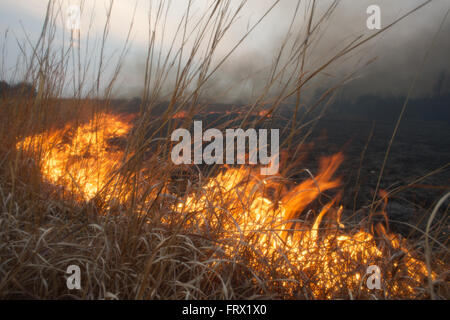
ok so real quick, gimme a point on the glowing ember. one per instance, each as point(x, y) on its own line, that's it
point(180, 115)
point(264, 113)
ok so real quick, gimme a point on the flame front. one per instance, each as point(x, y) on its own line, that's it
point(81, 158)
point(326, 258)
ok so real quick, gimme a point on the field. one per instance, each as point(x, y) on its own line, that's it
point(86, 179)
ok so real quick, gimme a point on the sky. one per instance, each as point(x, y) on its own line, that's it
point(396, 55)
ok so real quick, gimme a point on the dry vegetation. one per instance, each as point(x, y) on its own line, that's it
point(142, 228)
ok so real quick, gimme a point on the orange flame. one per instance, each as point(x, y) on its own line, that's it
point(237, 201)
point(81, 158)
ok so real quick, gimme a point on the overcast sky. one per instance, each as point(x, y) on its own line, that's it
point(399, 51)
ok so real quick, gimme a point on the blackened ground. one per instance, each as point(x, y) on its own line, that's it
point(419, 148)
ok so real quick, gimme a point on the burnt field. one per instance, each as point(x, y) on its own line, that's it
point(416, 174)
point(419, 148)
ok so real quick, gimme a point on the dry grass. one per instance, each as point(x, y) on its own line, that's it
point(128, 239)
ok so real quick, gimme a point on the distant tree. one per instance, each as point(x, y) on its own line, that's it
point(4, 88)
point(24, 89)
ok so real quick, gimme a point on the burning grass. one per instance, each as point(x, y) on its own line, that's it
point(103, 195)
point(81, 158)
point(231, 225)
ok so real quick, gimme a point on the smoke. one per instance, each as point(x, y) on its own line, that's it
point(394, 56)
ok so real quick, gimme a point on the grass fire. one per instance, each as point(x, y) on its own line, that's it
point(87, 177)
